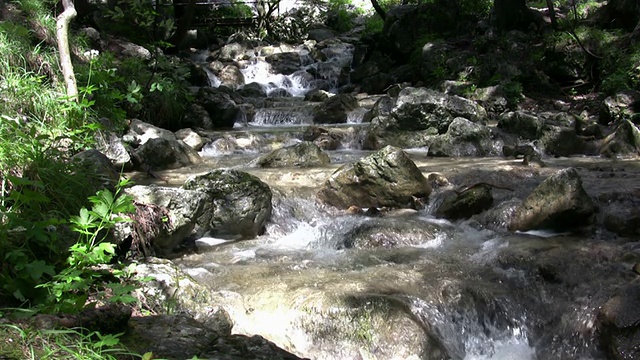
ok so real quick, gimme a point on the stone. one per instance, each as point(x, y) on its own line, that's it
point(335, 109)
point(390, 233)
point(625, 140)
point(144, 132)
point(284, 63)
point(183, 206)
point(463, 138)
point(386, 178)
point(162, 154)
point(303, 154)
point(101, 171)
point(624, 105)
point(558, 203)
point(220, 107)
point(190, 138)
point(523, 124)
point(231, 77)
point(619, 323)
point(464, 204)
point(239, 206)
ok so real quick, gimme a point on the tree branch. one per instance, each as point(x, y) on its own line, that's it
point(62, 37)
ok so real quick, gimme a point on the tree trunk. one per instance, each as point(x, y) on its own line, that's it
point(62, 37)
point(511, 14)
point(379, 10)
point(552, 14)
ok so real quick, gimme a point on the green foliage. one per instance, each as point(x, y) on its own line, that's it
point(22, 342)
point(513, 93)
point(341, 14)
point(69, 289)
point(139, 21)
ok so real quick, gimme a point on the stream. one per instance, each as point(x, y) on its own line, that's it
point(441, 290)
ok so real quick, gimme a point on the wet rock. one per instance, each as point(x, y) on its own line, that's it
point(222, 110)
point(320, 33)
point(110, 144)
point(464, 204)
point(183, 207)
point(562, 141)
point(166, 288)
point(284, 63)
point(197, 117)
point(624, 105)
point(162, 154)
point(382, 107)
point(386, 178)
point(621, 212)
point(304, 154)
point(422, 108)
point(324, 138)
point(317, 95)
point(624, 141)
point(231, 52)
point(499, 216)
point(240, 204)
point(335, 109)
point(559, 202)
point(190, 138)
point(252, 90)
point(391, 233)
point(619, 323)
point(231, 76)
point(523, 124)
point(144, 132)
point(241, 347)
point(463, 138)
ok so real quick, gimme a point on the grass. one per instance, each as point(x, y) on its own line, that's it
point(20, 341)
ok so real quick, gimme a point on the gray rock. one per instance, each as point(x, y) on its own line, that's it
point(129, 49)
point(162, 154)
point(304, 154)
point(390, 233)
point(222, 110)
point(144, 132)
point(462, 205)
point(183, 206)
point(284, 63)
point(619, 323)
point(463, 138)
point(231, 77)
point(562, 141)
point(320, 33)
point(240, 204)
point(386, 178)
point(624, 105)
point(110, 144)
point(190, 138)
point(421, 109)
point(559, 202)
point(625, 140)
point(335, 109)
point(525, 125)
point(231, 52)
point(324, 138)
point(198, 117)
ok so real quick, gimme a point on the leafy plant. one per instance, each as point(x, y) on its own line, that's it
point(70, 288)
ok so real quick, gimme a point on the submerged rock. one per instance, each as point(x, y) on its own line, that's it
point(240, 203)
point(386, 178)
point(464, 204)
point(619, 323)
point(559, 203)
point(162, 154)
point(304, 154)
point(391, 233)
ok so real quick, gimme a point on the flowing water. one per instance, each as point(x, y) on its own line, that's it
point(437, 289)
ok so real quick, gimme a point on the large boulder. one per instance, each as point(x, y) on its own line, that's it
point(162, 154)
point(391, 233)
point(335, 109)
point(521, 123)
point(231, 77)
point(625, 140)
point(110, 144)
point(99, 169)
point(464, 204)
point(222, 110)
point(463, 138)
point(303, 154)
point(422, 108)
point(183, 208)
point(144, 132)
point(624, 105)
point(559, 202)
point(386, 178)
point(190, 138)
point(284, 63)
point(240, 204)
point(619, 323)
